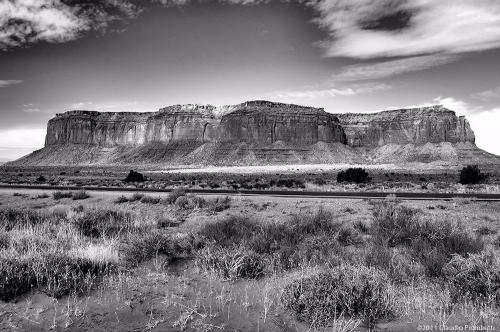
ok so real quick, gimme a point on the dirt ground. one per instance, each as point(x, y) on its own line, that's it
point(175, 297)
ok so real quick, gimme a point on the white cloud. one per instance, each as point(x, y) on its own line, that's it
point(450, 26)
point(308, 94)
point(15, 143)
point(4, 83)
point(391, 68)
point(488, 94)
point(24, 22)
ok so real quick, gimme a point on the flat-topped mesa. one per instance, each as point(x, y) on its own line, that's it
point(255, 122)
point(434, 124)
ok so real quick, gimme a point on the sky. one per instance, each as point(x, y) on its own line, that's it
point(343, 55)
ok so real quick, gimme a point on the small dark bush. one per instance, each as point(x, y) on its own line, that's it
point(57, 195)
point(16, 278)
point(353, 291)
point(150, 200)
point(80, 195)
point(41, 178)
point(144, 246)
point(230, 231)
point(58, 275)
point(471, 175)
point(230, 263)
point(44, 195)
point(218, 204)
point(174, 194)
point(353, 175)
point(97, 223)
point(134, 176)
point(348, 235)
point(121, 199)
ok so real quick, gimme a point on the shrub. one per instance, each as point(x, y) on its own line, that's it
point(475, 277)
point(121, 199)
point(348, 235)
point(136, 197)
point(432, 242)
point(353, 175)
point(97, 223)
point(143, 246)
point(353, 291)
point(174, 194)
point(230, 263)
point(134, 176)
point(80, 195)
point(53, 273)
point(13, 217)
point(41, 179)
point(218, 204)
point(44, 195)
point(57, 195)
point(16, 277)
point(59, 275)
point(395, 224)
point(471, 175)
point(182, 203)
point(150, 200)
point(228, 231)
point(396, 262)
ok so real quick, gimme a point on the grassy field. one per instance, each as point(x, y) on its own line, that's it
point(175, 262)
point(392, 180)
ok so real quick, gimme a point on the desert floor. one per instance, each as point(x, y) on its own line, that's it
point(162, 294)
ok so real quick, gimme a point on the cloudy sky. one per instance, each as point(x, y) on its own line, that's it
point(343, 55)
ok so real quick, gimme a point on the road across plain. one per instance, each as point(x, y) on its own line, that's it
point(277, 193)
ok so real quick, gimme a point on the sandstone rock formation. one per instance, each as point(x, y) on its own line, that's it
point(256, 132)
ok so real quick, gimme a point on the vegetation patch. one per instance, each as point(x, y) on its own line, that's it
point(353, 175)
point(353, 291)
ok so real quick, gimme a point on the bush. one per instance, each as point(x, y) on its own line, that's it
point(353, 175)
point(134, 176)
point(136, 197)
point(353, 291)
point(144, 246)
point(174, 194)
point(121, 199)
point(471, 175)
point(475, 277)
point(228, 231)
point(41, 179)
point(396, 262)
point(218, 204)
point(182, 203)
point(53, 273)
point(97, 223)
point(57, 195)
point(16, 277)
point(58, 275)
point(230, 263)
point(348, 235)
point(150, 200)
point(432, 242)
point(80, 195)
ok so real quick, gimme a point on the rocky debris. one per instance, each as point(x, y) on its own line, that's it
point(257, 133)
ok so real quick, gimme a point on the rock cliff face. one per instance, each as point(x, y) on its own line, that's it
point(257, 132)
point(256, 122)
point(434, 124)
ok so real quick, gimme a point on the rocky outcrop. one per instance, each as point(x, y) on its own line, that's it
point(256, 122)
point(257, 133)
point(434, 124)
